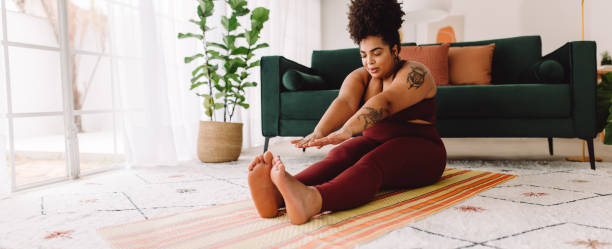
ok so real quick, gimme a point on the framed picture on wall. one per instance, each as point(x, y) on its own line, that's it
point(449, 29)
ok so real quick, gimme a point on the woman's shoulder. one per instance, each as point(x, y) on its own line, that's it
point(416, 70)
point(361, 74)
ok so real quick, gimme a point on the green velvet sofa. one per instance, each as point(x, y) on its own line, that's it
point(518, 103)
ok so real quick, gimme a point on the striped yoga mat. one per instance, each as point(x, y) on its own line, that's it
point(237, 225)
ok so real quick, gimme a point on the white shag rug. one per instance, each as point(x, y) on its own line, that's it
point(551, 204)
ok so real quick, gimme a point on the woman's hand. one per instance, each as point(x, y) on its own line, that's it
point(334, 138)
point(304, 142)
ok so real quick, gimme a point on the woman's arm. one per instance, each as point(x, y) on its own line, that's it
point(342, 108)
point(411, 85)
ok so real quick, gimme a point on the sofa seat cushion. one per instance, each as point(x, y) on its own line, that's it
point(306, 105)
point(504, 101)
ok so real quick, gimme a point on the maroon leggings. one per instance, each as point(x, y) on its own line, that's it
point(389, 155)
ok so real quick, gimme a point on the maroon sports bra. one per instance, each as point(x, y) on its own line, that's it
point(424, 110)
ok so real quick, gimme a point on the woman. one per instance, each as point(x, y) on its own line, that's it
point(390, 101)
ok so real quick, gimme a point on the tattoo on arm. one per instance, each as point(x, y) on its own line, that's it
point(416, 77)
point(372, 117)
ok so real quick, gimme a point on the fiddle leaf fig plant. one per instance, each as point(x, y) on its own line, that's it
point(223, 67)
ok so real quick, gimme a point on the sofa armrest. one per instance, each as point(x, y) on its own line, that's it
point(579, 61)
point(271, 72)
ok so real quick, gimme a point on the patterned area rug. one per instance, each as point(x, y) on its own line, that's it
point(552, 204)
point(237, 225)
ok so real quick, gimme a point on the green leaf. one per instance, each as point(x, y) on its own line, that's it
point(208, 102)
point(195, 71)
point(225, 22)
point(195, 78)
point(244, 105)
point(195, 21)
point(236, 4)
point(250, 56)
point(262, 45)
point(190, 35)
point(191, 58)
point(238, 7)
point(233, 76)
point(234, 23)
point(229, 41)
point(232, 65)
point(258, 17)
point(240, 50)
point(252, 37)
point(203, 95)
point(215, 55)
point(194, 85)
point(249, 84)
point(244, 75)
point(219, 45)
point(254, 64)
point(208, 112)
point(216, 78)
point(219, 106)
point(205, 8)
point(219, 95)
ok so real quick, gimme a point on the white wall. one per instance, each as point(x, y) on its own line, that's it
point(556, 21)
point(334, 20)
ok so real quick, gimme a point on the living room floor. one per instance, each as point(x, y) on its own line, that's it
point(553, 203)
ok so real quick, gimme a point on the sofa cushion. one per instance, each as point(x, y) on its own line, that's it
point(504, 101)
point(308, 105)
point(294, 80)
point(470, 65)
point(511, 57)
point(545, 71)
point(435, 58)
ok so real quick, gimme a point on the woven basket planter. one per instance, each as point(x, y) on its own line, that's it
point(219, 141)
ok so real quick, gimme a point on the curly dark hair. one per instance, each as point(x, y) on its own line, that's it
point(375, 18)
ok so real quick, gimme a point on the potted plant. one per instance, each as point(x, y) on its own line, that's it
point(222, 71)
point(604, 107)
point(606, 60)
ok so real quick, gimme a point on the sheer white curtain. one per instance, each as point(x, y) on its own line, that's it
point(160, 118)
point(160, 121)
point(293, 31)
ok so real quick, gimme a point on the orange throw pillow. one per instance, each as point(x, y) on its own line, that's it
point(434, 57)
point(470, 65)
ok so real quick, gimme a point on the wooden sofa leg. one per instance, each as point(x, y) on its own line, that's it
point(550, 146)
point(591, 153)
point(266, 144)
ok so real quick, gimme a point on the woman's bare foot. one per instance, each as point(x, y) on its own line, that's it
point(302, 202)
point(265, 195)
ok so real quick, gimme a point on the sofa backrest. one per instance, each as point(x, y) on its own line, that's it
point(334, 65)
point(512, 57)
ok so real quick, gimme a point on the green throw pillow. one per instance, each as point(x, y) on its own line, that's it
point(546, 71)
point(295, 80)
